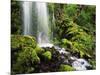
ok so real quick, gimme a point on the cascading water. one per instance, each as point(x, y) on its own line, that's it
point(27, 17)
point(43, 28)
point(43, 25)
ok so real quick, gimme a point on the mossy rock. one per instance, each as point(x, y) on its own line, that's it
point(28, 54)
point(19, 41)
point(24, 53)
point(25, 61)
point(65, 68)
point(35, 58)
point(39, 50)
point(47, 55)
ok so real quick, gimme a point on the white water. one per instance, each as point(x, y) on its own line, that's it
point(80, 64)
point(27, 17)
point(43, 25)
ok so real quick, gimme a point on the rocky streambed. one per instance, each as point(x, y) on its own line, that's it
point(66, 58)
point(28, 57)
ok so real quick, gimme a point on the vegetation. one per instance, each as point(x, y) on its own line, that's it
point(66, 68)
point(16, 20)
point(47, 55)
point(77, 37)
point(73, 28)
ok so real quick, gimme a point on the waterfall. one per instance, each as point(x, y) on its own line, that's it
point(41, 17)
point(27, 17)
point(43, 24)
point(41, 27)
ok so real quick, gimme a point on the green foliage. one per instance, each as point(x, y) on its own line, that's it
point(75, 38)
point(70, 10)
point(25, 61)
point(65, 68)
point(83, 15)
point(39, 50)
point(66, 43)
point(93, 63)
point(79, 40)
point(47, 55)
point(35, 58)
point(20, 41)
point(87, 18)
point(24, 53)
point(16, 20)
point(73, 35)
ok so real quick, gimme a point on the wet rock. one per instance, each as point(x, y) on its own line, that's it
point(80, 64)
point(66, 61)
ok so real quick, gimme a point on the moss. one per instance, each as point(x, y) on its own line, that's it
point(25, 55)
point(66, 68)
point(18, 41)
point(26, 60)
point(47, 55)
point(39, 50)
point(93, 63)
point(35, 58)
